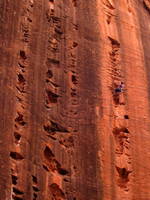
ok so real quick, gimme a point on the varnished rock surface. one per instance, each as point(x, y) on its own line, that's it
point(64, 135)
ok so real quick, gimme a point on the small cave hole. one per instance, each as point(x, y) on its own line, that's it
point(34, 196)
point(63, 171)
point(14, 179)
point(66, 180)
point(48, 153)
point(17, 191)
point(34, 179)
point(74, 3)
point(58, 30)
point(123, 173)
point(21, 65)
point(46, 168)
point(17, 136)
point(17, 198)
point(23, 54)
point(73, 94)
point(125, 130)
point(117, 131)
point(20, 120)
point(114, 42)
point(35, 189)
point(146, 5)
point(52, 1)
point(75, 44)
point(108, 19)
point(21, 79)
point(52, 61)
point(29, 19)
point(52, 97)
point(126, 116)
point(49, 74)
point(47, 128)
point(55, 127)
point(16, 156)
point(74, 79)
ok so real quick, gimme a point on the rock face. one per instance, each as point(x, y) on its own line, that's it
point(65, 133)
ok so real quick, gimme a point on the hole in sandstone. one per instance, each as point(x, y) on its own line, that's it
point(58, 31)
point(75, 44)
point(17, 136)
point(48, 153)
point(34, 196)
point(66, 180)
point(14, 179)
point(62, 171)
point(123, 173)
point(20, 65)
point(29, 19)
point(52, 1)
point(119, 130)
point(49, 74)
point(17, 198)
point(114, 42)
point(20, 120)
point(55, 127)
point(56, 192)
point(125, 130)
point(147, 5)
point(21, 79)
point(16, 156)
point(53, 164)
point(52, 97)
point(108, 19)
point(74, 3)
point(74, 79)
point(126, 116)
point(53, 61)
point(23, 54)
point(34, 179)
point(46, 168)
point(17, 191)
point(73, 94)
point(35, 189)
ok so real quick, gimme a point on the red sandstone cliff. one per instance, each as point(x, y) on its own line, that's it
point(64, 134)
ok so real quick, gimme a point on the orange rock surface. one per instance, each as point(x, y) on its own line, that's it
point(65, 133)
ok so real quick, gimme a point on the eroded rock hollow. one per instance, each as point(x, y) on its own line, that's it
point(66, 133)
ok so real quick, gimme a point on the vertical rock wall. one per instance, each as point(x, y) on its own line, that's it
point(65, 134)
point(49, 85)
point(124, 127)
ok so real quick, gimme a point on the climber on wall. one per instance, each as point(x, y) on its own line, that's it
point(119, 89)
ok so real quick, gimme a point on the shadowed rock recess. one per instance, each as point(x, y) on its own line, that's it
point(65, 133)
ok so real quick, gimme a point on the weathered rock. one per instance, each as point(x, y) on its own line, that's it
point(65, 133)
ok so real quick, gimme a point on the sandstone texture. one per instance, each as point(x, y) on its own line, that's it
point(65, 134)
